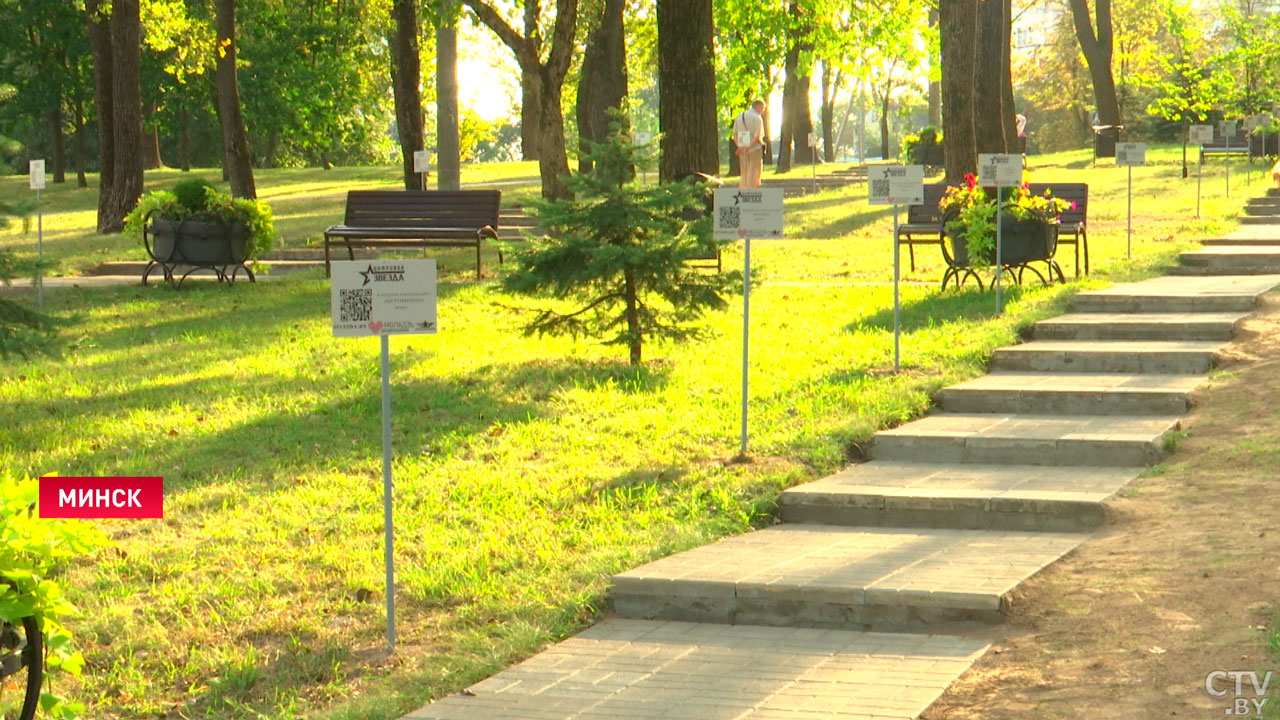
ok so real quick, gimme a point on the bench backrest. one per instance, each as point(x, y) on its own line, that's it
point(423, 208)
point(1071, 192)
point(928, 213)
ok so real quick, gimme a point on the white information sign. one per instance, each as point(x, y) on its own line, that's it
point(1131, 153)
point(1251, 123)
point(383, 297)
point(421, 161)
point(37, 174)
point(813, 140)
point(1228, 128)
point(1201, 134)
point(754, 213)
point(895, 184)
point(999, 169)
point(644, 138)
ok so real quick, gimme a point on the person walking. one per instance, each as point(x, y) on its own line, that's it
point(748, 134)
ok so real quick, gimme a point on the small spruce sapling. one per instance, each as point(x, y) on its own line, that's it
point(619, 255)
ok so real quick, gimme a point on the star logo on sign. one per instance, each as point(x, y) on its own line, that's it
point(365, 274)
point(736, 197)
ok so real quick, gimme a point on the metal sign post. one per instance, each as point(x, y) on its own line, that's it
point(747, 213)
point(36, 168)
point(813, 158)
point(1199, 135)
point(896, 185)
point(1130, 154)
point(1001, 170)
point(384, 298)
point(422, 165)
point(1228, 128)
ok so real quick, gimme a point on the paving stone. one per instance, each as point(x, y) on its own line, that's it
point(1139, 326)
point(1071, 394)
point(1109, 356)
point(690, 671)
point(832, 576)
point(899, 494)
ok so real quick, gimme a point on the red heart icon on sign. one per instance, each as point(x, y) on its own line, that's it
point(375, 327)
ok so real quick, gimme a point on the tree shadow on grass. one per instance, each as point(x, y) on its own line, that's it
point(967, 304)
point(555, 374)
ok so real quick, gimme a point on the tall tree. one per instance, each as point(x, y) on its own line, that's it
point(958, 31)
point(989, 127)
point(448, 149)
point(603, 84)
point(116, 39)
point(542, 81)
point(406, 85)
point(687, 89)
point(235, 140)
point(1097, 49)
point(797, 120)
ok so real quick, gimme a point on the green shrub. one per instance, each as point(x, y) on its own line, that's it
point(192, 193)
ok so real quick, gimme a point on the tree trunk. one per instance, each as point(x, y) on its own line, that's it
point(235, 141)
point(82, 157)
point(151, 146)
point(406, 81)
point(830, 88)
point(59, 142)
point(273, 149)
point(935, 87)
point(1006, 81)
point(448, 146)
point(957, 28)
point(553, 164)
point(184, 139)
point(787, 131)
point(103, 60)
point(1097, 51)
point(687, 89)
point(603, 83)
point(988, 127)
point(802, 122)
point(126, 94)
point(530, 113)
point(884, 116)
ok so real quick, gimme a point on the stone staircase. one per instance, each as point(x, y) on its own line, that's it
point(925, 541)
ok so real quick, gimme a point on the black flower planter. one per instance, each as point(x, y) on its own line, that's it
point(197, 243)
point(1022, 243)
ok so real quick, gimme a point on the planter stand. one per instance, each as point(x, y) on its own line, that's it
point(1025, 242)
point(196, 244)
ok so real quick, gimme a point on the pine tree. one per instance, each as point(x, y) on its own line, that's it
point(620, 254)
point(23, 331)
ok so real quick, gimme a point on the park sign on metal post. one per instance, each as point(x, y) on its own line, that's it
point(1227, 128)
point(384, 298)
point(36, 169)
point(1201, 134)
point(422, 165)
point(896, 185)
point(1001, 170)
point(746, 214)
point(1130, 154)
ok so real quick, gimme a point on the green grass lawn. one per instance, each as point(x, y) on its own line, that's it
point(527, 470)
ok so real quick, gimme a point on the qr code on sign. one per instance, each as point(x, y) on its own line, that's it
point(729, 217)
point(356, 305)
point(880, 188)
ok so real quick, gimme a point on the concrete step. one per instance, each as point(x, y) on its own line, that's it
point(1178, 295)
point(1068, 441)
point(640, 669)
point(1259, 219)
point(1115, 356)
point(1009, 497)
point(1261, 210)
point(1273, 192)
point(1071, 394)
point(1248, 259)
point(1138, 326)
point(1270, 233)
point(840, 577)
point(1263, 202)
point(1197, 271)
point(1250, 239)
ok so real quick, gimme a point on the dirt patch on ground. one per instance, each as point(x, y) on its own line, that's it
point(1183, 581)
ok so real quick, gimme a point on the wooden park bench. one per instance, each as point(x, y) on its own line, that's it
point(1073, 227)
point(416, 218)
point(1224, 146)
point(924, 222)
